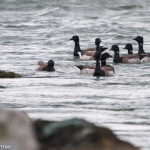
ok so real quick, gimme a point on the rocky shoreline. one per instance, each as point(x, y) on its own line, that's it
point(20, 132)
point(5, 74)
point(1, 87)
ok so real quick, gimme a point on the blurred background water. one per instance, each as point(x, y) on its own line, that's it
point(33, 30)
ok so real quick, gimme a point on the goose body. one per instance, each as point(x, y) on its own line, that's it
point(41, 65)
point(87, 69)
point(49, 66)
point(141, 51)
point(109, 71)
point(146, 59)
point(88, 51)
point(124, 59)
point(131, 60)
point(86, 54)
point(85, 57)
point(130, 54)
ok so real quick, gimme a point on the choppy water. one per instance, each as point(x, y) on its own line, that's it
point(33, 30)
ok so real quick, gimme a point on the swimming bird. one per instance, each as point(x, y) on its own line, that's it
point(97, 56)
point(118, 59)
point(109, 70)
point(140, 41)
point(141, 51)
point(77, 48)
point(130, 54)
point(49, 66)
point(41, 65)
point(87, 69)
point(129, 47)
point(86, 54)
point(90, 57)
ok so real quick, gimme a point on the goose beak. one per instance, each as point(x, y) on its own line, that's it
point(71, 39)
point(134, 39)
point(103, 48)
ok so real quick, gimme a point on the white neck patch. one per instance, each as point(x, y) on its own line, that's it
point(141, 44)
point(131, 51)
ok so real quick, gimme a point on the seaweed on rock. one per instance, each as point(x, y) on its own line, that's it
point(4, 74)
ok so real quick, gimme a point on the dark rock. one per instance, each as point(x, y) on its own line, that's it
point(78, 134)
point(19, 132)
point(4, 74)
point(2, 87)
point(39, 125)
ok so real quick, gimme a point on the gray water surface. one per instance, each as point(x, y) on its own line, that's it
point(33, 30)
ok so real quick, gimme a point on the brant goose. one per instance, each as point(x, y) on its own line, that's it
point(97, 56)
point(87, 57)
point(129, 47)
point(141, 51)
point(130, 54)
point(41, 65)
point(109, 70)
point(123, 59)
point(86, 54)
point(49, 66)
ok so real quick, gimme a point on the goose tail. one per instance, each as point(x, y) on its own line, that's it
point(77, 68)
point(80, 55)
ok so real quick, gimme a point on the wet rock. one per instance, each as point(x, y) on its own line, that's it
point(2, 87)
point(4, 74)
point(77, 134)
point(19, 132)
point(16, 131)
